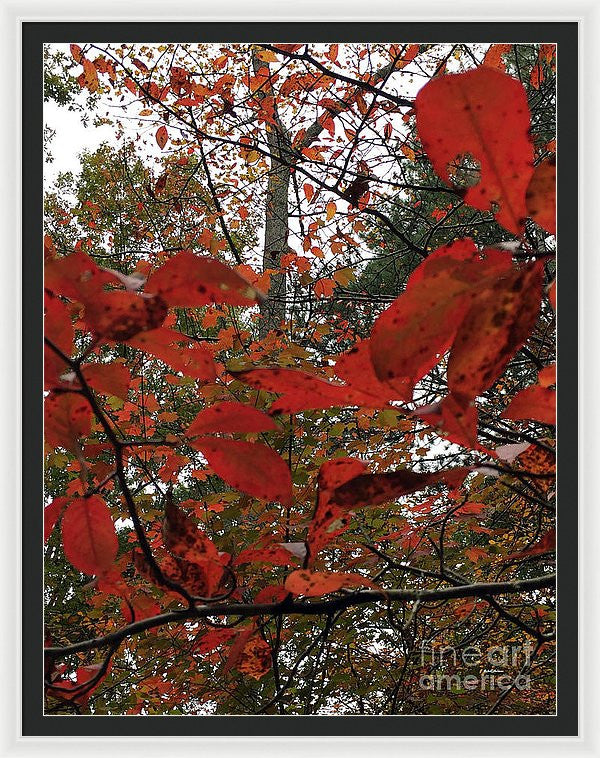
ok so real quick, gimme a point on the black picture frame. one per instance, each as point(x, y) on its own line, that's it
point(34, 722)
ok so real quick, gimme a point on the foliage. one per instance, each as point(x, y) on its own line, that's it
point(282, 476)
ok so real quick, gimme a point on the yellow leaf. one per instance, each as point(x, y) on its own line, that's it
point(268, 56)
point(344, 276)
point(331, 209)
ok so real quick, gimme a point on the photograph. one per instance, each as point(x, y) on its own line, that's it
point(299, 379)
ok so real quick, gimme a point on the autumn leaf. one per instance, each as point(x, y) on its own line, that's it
point(330, 520)
point(108, 378)
point(482, 113)
point(317, 583)
point(89, 536)
point(371, 489)
point(195, 361)
point(139, 606)
point(536, 403)
point(52, 513)
point(58, 328)
point(230, 417)
point(541, 195)
point(250, 467)
point(409, 338)
point(119, 316)
point(302, 391)
point(162, 137)
point(324, 287)
point(189, 281)
point(67, 418)
point(495, 327)
point(547, 376)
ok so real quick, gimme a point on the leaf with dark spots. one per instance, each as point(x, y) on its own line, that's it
point(317, 583)
point(409, 338)
point(495, 328)
point(188, 281)
point(67, 419)
point(119, 315)
point(301, 391)
point(482, 113)
point(372, 489)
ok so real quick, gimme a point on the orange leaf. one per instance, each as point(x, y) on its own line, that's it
point(162, 137)
point(309, 191)
point(317, 583)
point(536, 403)
point(324, 287)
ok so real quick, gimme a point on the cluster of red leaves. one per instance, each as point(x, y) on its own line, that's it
point(477, 307)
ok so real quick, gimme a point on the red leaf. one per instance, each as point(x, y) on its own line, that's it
point(536, 403)
point(496, 326)
point(59, 330)
point(76, 276)
point(213, 639)
point(188, 281)
point(482, 113)
point(276, 555)
point(119, 315)
point(372, 489)
point(493, 57)
point(541, 195)
point(67, 417)
point(185, 540)
point(303, 391)
point(195, 361)
point(144, 606)
point(162, 137)
point(317, 583)
point(52, 514)
point(455, 419)
point(230, 417)
point(547, 376)
point(250, 467)
point(409, 338)
point(89, 536)
point(329, 520)
point(356, 369)
point(108, 378)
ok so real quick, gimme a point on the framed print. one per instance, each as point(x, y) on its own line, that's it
point(298, 287)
